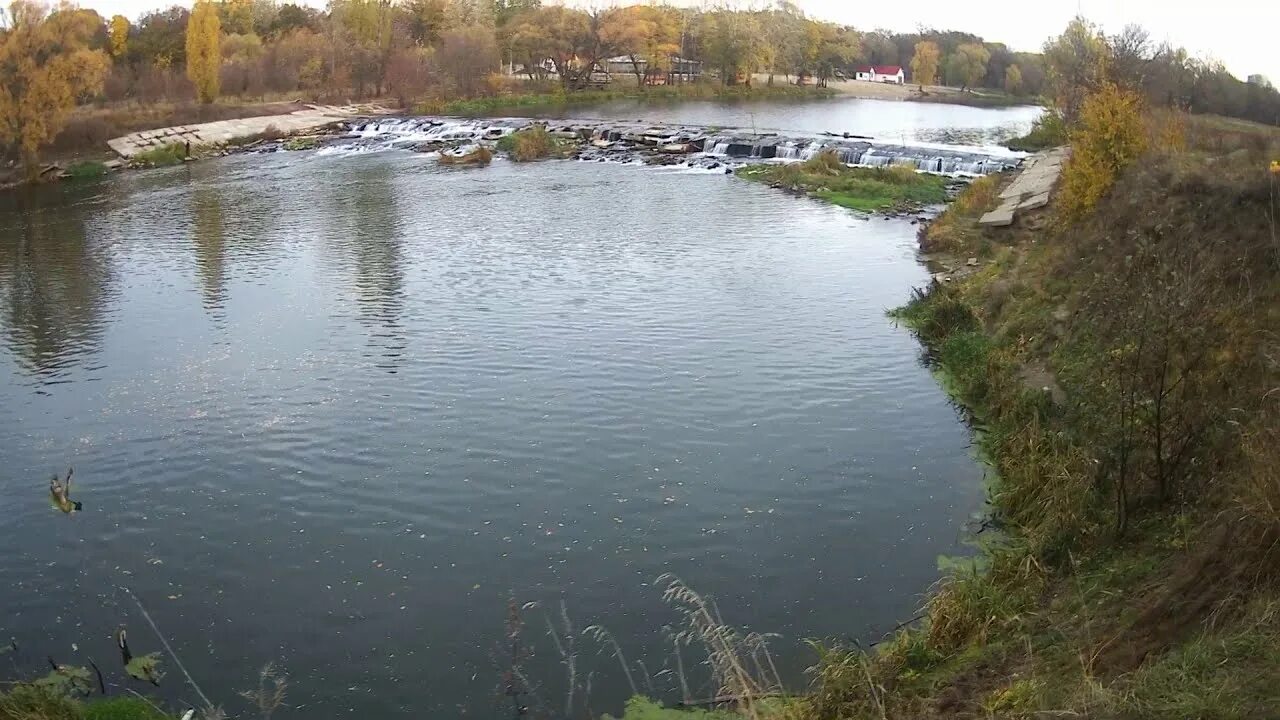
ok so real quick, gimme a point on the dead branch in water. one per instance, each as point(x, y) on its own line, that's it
point(176, 660)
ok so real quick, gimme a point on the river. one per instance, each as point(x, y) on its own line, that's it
point(335, 411)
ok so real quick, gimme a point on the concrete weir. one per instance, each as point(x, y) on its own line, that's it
point(224, 131)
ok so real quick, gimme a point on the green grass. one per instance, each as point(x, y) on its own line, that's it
point(662, 93)
point(87, 169)
point(171, 154)
point(863, 189)
point(1048, 131)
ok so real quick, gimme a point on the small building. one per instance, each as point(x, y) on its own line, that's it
point(622, 65)
point(880, 73)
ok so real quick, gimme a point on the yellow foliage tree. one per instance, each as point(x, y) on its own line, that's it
point(1013, 80)
point(204, 55)
point(924, 64)
point(1109, 134)
point(119, 35)
point(45, 65)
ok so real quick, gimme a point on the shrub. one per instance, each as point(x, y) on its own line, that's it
point(1111, 134)
point(87, 169)
point(1048, 131)
point(533, 143)
point(171, 154)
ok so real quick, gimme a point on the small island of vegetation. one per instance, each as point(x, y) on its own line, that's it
point(826, 177)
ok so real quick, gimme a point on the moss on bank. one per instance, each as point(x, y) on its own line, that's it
point(856, 188)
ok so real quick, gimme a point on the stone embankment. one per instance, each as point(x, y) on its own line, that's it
point(1032, 188)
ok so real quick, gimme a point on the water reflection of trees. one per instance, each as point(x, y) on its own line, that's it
point(54, 279)
point(210, 240)
point(367, 225)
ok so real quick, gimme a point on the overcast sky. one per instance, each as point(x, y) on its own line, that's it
point(1244, 34)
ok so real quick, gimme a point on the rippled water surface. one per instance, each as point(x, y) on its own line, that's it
point(335, 411)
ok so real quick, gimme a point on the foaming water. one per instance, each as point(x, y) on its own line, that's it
point(336, 411)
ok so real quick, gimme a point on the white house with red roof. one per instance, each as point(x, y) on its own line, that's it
point(880, 73)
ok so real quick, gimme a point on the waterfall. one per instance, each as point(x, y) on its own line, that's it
point(634, 140)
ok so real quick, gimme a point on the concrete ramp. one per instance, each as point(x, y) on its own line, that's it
point(1032, 188)
point(224, 131)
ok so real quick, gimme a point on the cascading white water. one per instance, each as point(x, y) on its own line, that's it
point(406, 133)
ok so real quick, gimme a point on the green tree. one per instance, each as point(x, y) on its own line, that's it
point(1012, 80)
point(924, 64)
point(204, 58)
point(970, 64)
point(46, 63)
point(1075, 66)
point(160, 39)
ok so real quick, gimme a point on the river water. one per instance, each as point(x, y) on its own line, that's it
point(336, 411)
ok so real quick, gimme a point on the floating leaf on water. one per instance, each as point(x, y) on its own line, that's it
point(145, 668)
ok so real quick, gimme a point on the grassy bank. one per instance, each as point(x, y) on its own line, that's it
point(865, 189)
point(663, 93)
point(1122, 369)
point(1046, 132)
point(43, 701)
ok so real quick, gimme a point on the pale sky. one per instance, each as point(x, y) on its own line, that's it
point(1243, 34)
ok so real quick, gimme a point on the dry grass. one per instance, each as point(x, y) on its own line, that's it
point(742, 669)
point(269, 695)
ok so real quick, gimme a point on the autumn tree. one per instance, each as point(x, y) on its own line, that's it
point(924, 64)
point(565, 36)
point(1108, 135)
point(648, 35)
point(1012, 80)
point(466, 57)
point(45, 65)
point(367, 26)
point(119, 34)
point(423, 21)
point(204, 56)
point(733, 42)
point(1075, 66)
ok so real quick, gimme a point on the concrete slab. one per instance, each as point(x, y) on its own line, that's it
point(1034, 202)
point(1000, 217)
point(224, 131)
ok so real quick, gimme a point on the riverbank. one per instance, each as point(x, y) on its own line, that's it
point(930, 93)
point(508, 104)
point(1132, 424)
